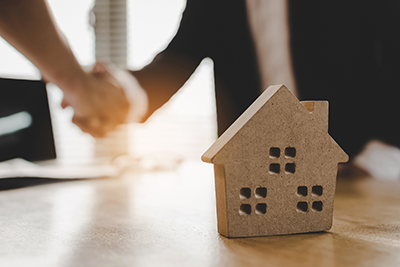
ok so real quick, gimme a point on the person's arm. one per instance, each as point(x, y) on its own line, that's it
point(171, 68)
point(98, 101)
point(29, 27)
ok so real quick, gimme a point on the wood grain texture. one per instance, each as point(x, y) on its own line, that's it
point(280, 167)
point(169, 219)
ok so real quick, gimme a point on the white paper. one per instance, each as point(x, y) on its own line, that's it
point(18, 167)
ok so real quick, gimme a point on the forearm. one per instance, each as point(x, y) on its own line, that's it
point(29, 27)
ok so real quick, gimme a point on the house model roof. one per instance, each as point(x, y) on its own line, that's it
point(319, 120)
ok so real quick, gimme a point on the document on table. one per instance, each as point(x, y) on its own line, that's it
point(16, 168)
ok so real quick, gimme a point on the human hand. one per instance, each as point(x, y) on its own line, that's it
point(99, 102)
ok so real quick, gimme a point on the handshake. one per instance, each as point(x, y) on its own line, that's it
point(103, 98)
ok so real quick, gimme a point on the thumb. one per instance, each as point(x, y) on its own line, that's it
point(99, 68)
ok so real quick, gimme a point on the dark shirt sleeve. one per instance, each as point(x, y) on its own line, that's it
point(171, 68)
point(217, 29)
point(354, 62)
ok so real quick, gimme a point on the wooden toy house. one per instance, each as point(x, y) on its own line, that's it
point(275, 168)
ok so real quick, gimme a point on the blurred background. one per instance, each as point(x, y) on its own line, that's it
point(182, 129)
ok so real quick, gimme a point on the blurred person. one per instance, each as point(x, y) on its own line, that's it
point(99, 101)
point(346, 52)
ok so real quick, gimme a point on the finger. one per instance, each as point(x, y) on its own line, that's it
point(64, 103)
point(81, 123)
point(108, 127)
point(103, 71)
point(107, 124)
point(89, 126)
point(95, 126)
point(99, 68)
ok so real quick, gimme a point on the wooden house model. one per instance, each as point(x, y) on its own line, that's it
point(275, 168)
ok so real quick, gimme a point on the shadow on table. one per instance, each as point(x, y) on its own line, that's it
point(15, 183)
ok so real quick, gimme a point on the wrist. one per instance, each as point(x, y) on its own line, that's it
point(70, 81)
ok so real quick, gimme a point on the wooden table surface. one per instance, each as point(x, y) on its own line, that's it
point(168, 218)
